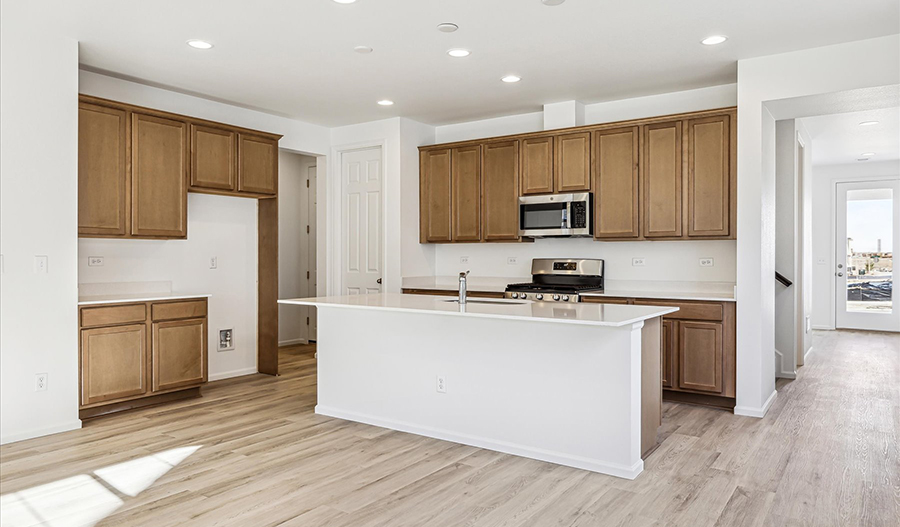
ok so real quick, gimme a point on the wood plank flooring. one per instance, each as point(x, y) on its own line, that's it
point(251, 452)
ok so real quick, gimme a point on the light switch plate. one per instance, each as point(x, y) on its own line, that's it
point(95, 261)
point(40, 264)
point(707, 262)
point(214, 262)
point(638, 262)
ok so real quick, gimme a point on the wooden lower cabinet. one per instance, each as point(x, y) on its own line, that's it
point(138, 354)
point(668, 351)
point(700, 353)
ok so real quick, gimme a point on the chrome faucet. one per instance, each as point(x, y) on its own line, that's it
point(462, 287)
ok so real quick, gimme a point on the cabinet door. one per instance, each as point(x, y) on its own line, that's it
point(465, 167)
point(500, 191)
point(661, 180)
point(573, 162)
point(669, 348)
point(616, 196)
point(159, 150)
point(213, 158)
point(537, 165)
point(179, 354)
point(257, 164)
point(709, 176)
point(434, 195)
point(113, 363)
point(102, 170)
point(700, 352)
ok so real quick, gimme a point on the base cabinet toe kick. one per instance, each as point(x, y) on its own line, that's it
point(585, 396)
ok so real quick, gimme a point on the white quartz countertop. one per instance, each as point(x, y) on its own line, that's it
point(135, 297)
point(661, 290)
point(610, 315)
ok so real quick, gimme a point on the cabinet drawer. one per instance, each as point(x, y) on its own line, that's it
point(176, 310)
point(604, 300)
point(113, 315)
point(688, 311)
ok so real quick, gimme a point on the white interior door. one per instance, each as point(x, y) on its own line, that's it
point(867, 229)
point(311, 247)
point(362, 237)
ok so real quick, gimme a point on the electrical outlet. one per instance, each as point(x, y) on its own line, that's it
point(638, 262)
point(441, 384)
point(95, 261)
point(213, 262)
point(40, 382)
point(707, 262)
point(463, 259)
point(512, 260)
point(40, 264)
point(226, 339)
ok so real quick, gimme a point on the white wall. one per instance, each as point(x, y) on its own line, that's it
point(823, 249)
point(675, 261)
point(415, 259)
point(38, 216)
point(874, 62)
point(220, 226)
point(293, 245)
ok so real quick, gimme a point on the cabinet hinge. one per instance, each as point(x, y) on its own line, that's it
point(307, 275)
point(307, 229)
point(307, 321)
point(307, 183)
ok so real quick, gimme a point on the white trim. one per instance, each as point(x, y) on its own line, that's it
point(40, 432)
point(807, 354)
point(336, 213)
point(490, 444)
point(823, 328)
point(293, 342)
point(748, 411)
point(779, 367)
point(233, 373)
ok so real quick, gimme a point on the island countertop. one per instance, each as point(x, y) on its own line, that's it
point(609, 315)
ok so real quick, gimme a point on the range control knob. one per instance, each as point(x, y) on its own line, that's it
point(539, 296)
point(515, 295)
point(555, 297)
point(565, 298)
point(523, 295)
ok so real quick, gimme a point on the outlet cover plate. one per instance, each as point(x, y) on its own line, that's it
point(95, 261)
point(638, 262)
point(707, 262)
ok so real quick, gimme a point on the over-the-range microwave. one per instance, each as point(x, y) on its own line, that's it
point(556, 215)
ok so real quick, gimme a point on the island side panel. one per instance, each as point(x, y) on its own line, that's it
point(651, 384)
point(564, 393)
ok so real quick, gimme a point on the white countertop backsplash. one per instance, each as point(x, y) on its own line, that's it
point(118, 292)
point(659, 289)
point(610, 315)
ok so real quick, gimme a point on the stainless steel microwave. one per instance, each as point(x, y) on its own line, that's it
point(556, 215)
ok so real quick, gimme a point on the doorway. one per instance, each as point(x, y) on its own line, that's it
point(362, 215)
point(867, 217)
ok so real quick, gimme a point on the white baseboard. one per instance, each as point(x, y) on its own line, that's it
point(232, 373)
point(786, 375)
point(823, 328)
point(748, 411)
point(779, 372)
point(593, 465)
point(40, 432)
point(292, 342)
point(807, 354)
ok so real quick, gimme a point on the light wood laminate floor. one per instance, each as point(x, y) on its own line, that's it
point(251, 452)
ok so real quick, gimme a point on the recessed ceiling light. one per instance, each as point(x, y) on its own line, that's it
point(867, 154)
point(363, 49)
point(511, 78)
point(386, 102)
point(345, 1)
point(447, 27)
point(713, 40)
point(199, 44)
point(552, 2)
point(868, 123)
point(457, 52)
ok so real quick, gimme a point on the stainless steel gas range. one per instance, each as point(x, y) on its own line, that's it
point(559, 280)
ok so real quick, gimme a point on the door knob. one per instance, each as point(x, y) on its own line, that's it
point(840, 273)
point(840, 266)
point(378, 281)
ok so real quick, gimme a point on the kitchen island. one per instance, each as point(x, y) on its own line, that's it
point(573, 384)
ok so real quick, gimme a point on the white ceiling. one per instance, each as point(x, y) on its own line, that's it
point(839, 139)
point(296, 58)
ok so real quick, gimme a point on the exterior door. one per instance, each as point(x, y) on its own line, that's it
point(362, 237)
point(867, 217)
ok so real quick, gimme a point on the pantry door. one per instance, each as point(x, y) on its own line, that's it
point(362, 252)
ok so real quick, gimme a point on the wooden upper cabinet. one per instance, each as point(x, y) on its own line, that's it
point(700, 354)
point(572, 153)
point(709, 176)
point(537, 165)
point(500, 191)
point(159, 164)
point(465, 165)
point(257, 164)
point(616, 188)
point(434, 195)
point(113, 363)
point(103, 201)
point(179, 354)
point(661, 180)
point(213, 158)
